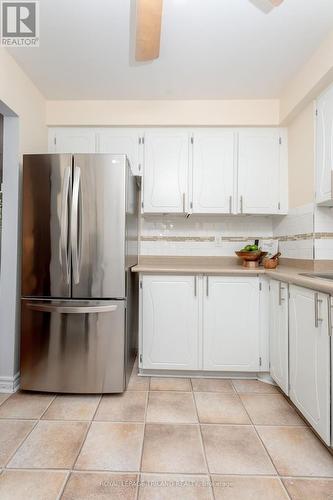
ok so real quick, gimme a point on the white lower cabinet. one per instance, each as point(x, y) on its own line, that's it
point(330, 316)
point(212, 323)
point(310, 357)
point(194, 323)
point(279, 334)
point(231, 324)
point(169, 322)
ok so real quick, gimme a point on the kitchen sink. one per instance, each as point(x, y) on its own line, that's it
point(324, 276)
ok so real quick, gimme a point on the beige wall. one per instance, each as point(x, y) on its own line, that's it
point(20, 94)
point(24, 131)
point(154, 113)
point(301, 144)
point(297, 110)
point(308, 82)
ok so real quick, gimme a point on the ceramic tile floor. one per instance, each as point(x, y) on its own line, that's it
point(164, 438)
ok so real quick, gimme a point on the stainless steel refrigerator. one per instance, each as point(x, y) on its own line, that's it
point(79, 297)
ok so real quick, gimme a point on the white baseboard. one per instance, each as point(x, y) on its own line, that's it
point(9, 385)
point(262, 376)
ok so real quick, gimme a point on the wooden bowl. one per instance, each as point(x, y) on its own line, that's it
point(271, 263)
point(254, 255)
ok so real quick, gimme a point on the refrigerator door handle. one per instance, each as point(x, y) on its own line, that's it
point(71, 309)
point(75, 244)
point(64, 259)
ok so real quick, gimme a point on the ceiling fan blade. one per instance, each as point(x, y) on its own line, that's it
point(148, 29)
point(266, 5)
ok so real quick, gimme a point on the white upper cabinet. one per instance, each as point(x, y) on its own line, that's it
point(213, 171)
point(279, 334)
point(166, 171)
point(170, 322)
point(199, 171)
point(231, 324)
point(324, 149)
point(310, 357)
point(259, 158)
point(72, 140)
point(123, 141)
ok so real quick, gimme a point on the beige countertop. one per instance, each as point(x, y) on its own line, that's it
point(293, 275)
point(230, 267)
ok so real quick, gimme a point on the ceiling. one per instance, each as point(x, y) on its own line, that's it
point(210, 49)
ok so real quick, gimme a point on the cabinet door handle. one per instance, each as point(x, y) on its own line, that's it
point(241, 204)
point(207, 286)
point(195, 286)
point(317, 301)
point(281, 299)
point(230, 204)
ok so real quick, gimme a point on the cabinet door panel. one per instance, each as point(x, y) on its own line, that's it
point(213, 172)
point(166, 169)
point(231, 324)
point(122, 141)
point(74, 140)
point(324, 149)
point(279, 356)
point(170, 323)
point(310, 359)
point(259, 171)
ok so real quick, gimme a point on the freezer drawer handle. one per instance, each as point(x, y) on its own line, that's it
point(71, 309)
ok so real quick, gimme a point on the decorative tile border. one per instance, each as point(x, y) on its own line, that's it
point(235, 239)
point(323, 236)
point(178, 238)
point(203, 238)
point(295, 237)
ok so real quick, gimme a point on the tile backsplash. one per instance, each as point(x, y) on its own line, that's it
point(323, 241)
point(201, 235)
point(305, 233)
point(295, 232)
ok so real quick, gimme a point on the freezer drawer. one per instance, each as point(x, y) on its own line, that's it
point(73, 346)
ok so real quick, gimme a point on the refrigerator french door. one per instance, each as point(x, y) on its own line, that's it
point(78, 213)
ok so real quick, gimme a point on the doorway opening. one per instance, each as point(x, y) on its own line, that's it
point(1, 175)
point(9, 250)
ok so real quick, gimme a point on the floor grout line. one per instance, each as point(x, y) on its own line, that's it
point(203, 444)
point(19, 446)
point(48, 406)
point(80, 448)
point(6, 398)
point(163, 473)
point(143, 442)
point(62, 489)
point(264, 446)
